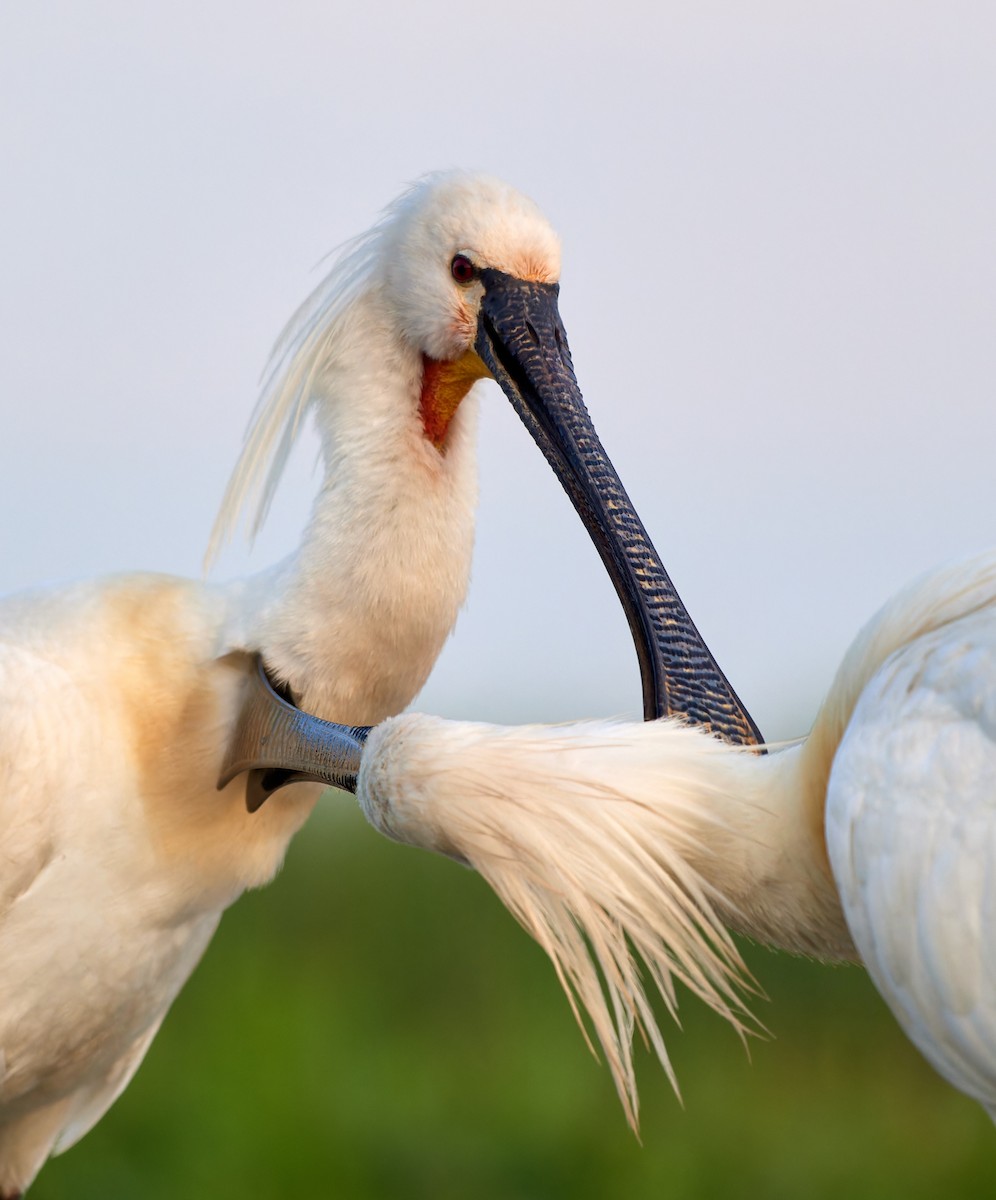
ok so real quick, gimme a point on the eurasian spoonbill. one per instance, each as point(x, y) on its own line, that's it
point(121, 697)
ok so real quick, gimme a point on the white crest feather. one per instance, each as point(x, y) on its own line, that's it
point(602, 876)
point(291, 382)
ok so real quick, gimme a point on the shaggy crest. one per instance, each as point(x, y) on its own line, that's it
point(602, 876)
point(289, 387)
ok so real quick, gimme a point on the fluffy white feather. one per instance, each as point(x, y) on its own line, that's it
point(601, 864)
point(292, 383)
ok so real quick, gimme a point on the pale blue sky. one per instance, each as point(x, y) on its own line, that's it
point(779, 285)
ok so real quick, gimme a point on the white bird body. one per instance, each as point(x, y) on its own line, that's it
point(118, 697)
point(106, 906)
point(911, 832)
point(120, 854)
point(873, 839)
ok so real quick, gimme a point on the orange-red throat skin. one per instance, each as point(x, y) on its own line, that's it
point(444, 385)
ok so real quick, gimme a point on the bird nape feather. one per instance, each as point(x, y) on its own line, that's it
point(565, 824)
point(292, 381)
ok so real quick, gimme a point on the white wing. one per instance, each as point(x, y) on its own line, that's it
point(911, 832)
point(34, 707)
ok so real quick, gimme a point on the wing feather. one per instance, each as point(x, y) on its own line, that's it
point(911, 831)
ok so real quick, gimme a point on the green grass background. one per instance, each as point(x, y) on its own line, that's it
point(374, 1024)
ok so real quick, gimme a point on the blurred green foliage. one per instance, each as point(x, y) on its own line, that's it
point(375, 1024)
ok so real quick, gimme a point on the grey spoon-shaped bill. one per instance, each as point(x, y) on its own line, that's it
point(522, 342)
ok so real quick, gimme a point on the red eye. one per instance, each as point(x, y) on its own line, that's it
point(462, 269)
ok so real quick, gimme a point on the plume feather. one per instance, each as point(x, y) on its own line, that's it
point(292, 383)
point(602, 876)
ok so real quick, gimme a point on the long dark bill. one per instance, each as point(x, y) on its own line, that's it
point(278, 744)
point(522, 342)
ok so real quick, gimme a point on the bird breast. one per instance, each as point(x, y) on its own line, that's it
point(355, 621)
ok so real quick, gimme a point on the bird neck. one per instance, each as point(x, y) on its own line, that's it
point(765, 848)
point(355, 619)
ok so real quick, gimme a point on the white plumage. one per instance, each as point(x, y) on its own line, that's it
point(911, 831)
point(872, 839)
point(118, 698)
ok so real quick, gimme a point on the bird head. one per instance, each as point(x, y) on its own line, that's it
point(425, 262)
point(440, 237)
point(468, 270)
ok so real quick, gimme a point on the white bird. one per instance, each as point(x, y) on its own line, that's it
point(121, 698)
point(873, 839)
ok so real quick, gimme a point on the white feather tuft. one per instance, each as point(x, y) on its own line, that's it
point(292, 380)
point(591, 850)
point(290, 384)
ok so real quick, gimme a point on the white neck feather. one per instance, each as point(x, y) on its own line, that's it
point(616, 841)
point(356, 618)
